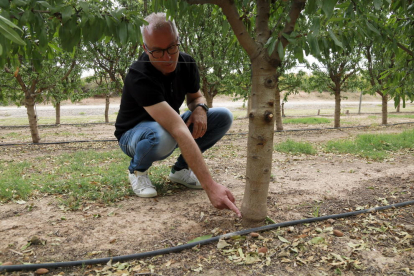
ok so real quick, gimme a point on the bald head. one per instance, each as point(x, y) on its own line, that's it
point(157, 22)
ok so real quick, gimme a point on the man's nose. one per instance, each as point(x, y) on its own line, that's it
point(166, 55)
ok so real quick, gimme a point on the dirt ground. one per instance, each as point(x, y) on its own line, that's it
point(303, 186)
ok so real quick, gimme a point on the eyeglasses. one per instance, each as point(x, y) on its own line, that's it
point(159, 53)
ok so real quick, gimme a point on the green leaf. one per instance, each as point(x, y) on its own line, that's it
point(45, 4)
point(314, 45)
point(123, 32)
point(1, 50)
point(372, 28)
point(271, 44)
point(5, 4)
point(377, 4)
point(19, 3)
point(280, 50)
point(311, 6)
point(9, 33)
point(335, 39)
point(201, 238)
point(8, 22)
point(316, 25)
point(66, 13)
point(328, 7)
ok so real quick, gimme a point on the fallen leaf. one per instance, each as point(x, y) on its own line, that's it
point(222, 244)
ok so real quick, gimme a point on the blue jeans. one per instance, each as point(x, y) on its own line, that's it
point(148, 141)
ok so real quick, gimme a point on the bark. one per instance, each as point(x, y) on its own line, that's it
point(337, 119)
point(384, 108)
point(57, 109)
point(107, 100)
point(31, 114)
point(399, 106)
point(278, 111)
point(259, 144)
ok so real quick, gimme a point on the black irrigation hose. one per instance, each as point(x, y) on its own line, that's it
point(9, 268)
point(240, 133)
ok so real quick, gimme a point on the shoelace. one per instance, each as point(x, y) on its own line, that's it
point(144, 184)
point(189, 177)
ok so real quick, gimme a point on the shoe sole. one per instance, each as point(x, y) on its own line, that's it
point(150, 195)
point(185, 184)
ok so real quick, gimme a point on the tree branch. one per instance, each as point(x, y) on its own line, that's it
point(230, 11)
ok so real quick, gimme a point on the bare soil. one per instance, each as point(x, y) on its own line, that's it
point(302, 186)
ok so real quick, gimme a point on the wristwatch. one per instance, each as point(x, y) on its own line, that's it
point(203, 105)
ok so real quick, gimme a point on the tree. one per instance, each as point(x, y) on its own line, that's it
point(337, 75)
point(217, 57)
point(253, 34)
point(110, 62)
point(38, 22)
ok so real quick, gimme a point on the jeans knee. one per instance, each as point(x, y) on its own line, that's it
point(165, 143)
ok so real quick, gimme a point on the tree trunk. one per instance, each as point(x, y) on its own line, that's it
point(399, 106)
point(209, 99)
point(207, 95)
point(337, 119)
point(278, 112)
point(259, 144)
point(57, 109)
point(107, 108)
point(31, 114)
point(384, 108)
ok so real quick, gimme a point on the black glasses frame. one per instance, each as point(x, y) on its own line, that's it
point(163, 50)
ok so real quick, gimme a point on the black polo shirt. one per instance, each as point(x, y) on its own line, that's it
point(144, 85)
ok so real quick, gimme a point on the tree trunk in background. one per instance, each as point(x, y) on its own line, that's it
point(384, 108)
point(399, 106)
point(107, 98)
point(57, 109)
point(209, 99)
point(259, 143)
point(278, 111)
point(337, 119)
point(31, 114)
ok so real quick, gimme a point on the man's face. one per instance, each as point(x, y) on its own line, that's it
point(162, 39)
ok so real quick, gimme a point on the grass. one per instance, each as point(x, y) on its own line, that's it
point(75, 177)
point(307, 121)
point(373, 146)
point(293, 147)
point(409, 116)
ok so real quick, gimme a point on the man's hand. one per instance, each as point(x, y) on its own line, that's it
point(221, 198)
point(199, 120)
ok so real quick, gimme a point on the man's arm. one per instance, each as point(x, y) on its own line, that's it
point(220, 197)
point(198, 116)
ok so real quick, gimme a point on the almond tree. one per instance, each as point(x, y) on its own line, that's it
point(27, 29)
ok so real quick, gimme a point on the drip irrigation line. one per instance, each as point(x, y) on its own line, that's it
point(10, 268)
point(227, 134)
point(58, 125)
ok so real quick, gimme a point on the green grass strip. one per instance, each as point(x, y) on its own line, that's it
point(293, 147)
point(373, 146)
point(307, 121)
point(77, 177)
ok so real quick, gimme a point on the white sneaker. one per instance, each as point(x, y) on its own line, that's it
point(141, 184)
point(185, 177)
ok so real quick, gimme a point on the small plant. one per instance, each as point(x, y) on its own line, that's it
point(293, 147)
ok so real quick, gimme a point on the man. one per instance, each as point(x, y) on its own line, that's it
point(149, 126)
